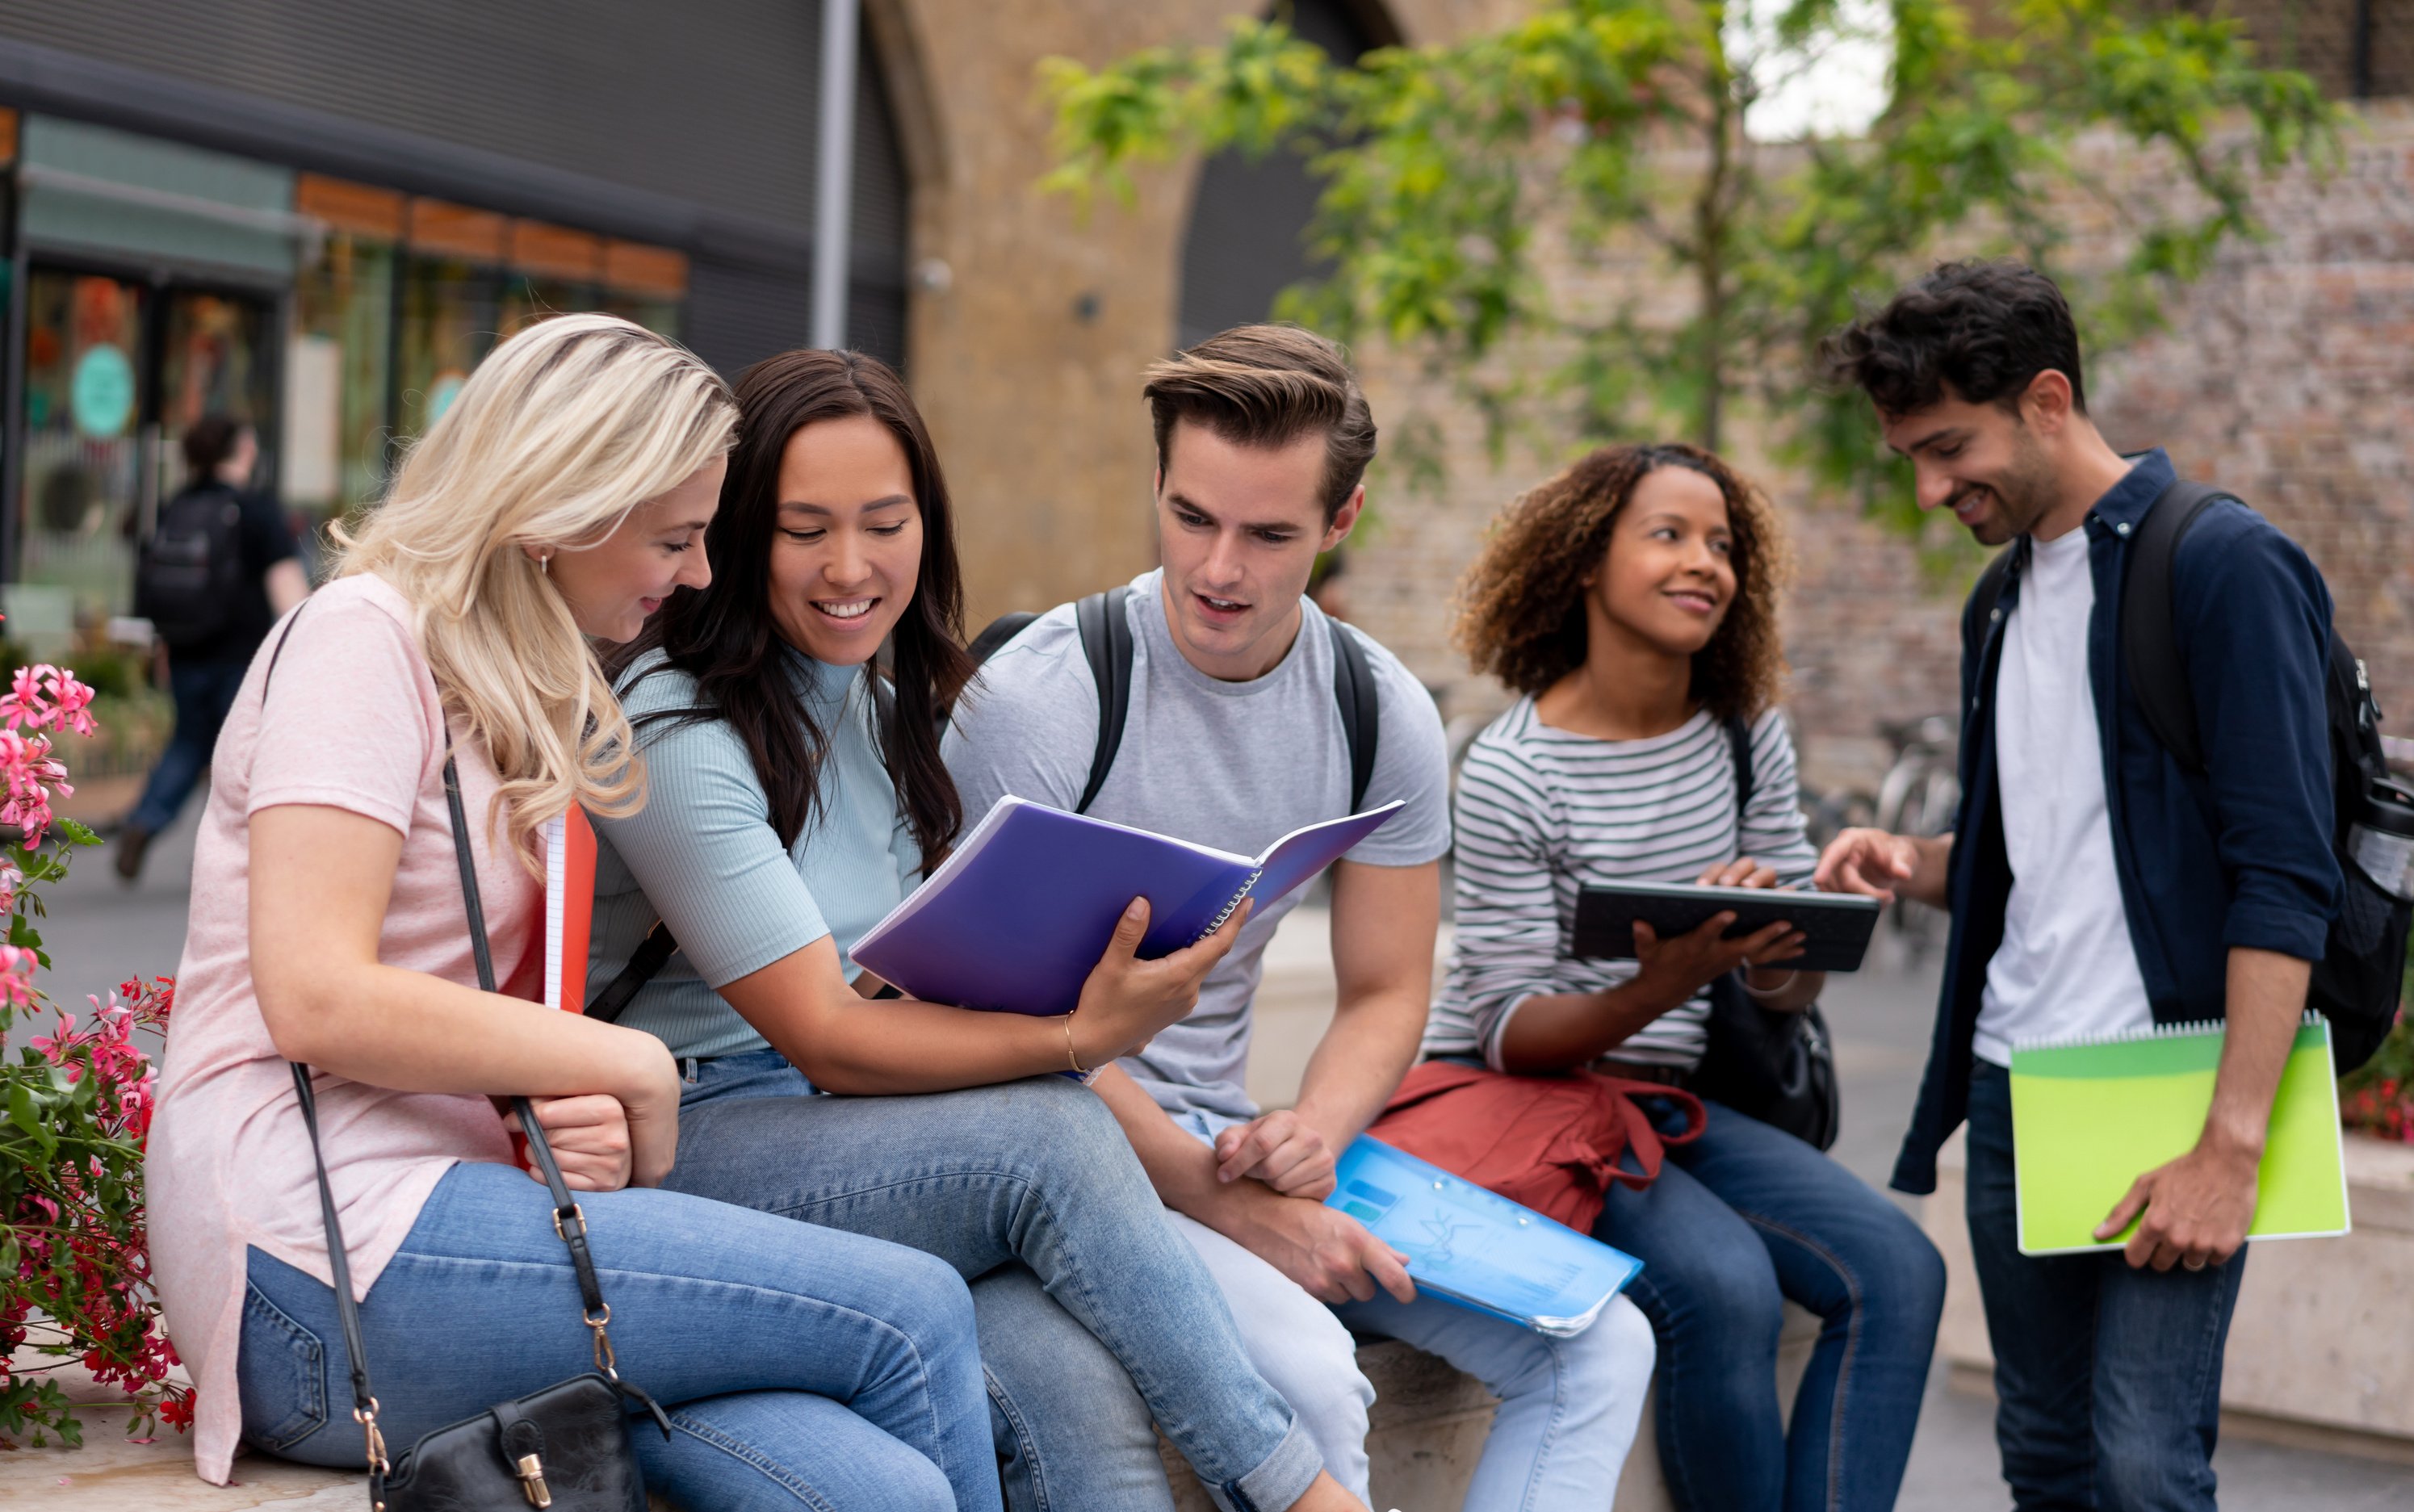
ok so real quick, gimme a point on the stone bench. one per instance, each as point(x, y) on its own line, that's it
point(1427, 1429)
point(1429, 1421)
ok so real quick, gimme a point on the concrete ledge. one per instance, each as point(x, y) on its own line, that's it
point(1429, 1421)
point(2318, 1355)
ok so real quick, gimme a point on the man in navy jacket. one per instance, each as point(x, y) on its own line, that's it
point(2097, 887)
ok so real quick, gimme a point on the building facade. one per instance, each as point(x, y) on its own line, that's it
point(318, 217)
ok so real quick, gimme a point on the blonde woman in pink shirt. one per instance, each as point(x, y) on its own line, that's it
point(563, 497)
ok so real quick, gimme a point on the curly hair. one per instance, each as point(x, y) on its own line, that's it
point(1521, 603)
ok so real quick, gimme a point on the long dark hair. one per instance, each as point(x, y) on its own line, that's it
point(724, 637)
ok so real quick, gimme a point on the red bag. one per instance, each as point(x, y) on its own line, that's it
point(1550, 1143)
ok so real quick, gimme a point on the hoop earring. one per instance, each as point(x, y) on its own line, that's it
point(544, 564)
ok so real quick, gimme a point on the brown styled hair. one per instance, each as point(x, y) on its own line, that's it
point(1268, 385)
point(723, 634)
point(1521, 603)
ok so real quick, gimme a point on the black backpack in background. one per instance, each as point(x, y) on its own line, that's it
point(2356, 983)
point(188, 581)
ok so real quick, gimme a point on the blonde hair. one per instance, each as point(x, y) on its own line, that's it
point(556, 438)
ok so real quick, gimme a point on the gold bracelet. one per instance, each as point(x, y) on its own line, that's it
point(1070, 1057)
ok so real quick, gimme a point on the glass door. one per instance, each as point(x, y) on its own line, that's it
point(82, 479)
point(115, 372)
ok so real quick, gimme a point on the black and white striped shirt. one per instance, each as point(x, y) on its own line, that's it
point(1543, 812)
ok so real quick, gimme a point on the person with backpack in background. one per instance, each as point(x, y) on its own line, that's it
point(2102, 878)
point(1212, 701)
point(219, 569)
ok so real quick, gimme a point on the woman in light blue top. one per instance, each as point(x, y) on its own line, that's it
point(794, 796)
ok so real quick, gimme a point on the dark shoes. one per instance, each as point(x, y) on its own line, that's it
point(132, 842)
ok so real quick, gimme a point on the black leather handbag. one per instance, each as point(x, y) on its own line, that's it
point(565, 1447)
point(1777, 1067)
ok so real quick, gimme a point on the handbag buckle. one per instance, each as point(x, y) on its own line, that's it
point(575, 1215)
point(530, 1470)
point(375, 1437)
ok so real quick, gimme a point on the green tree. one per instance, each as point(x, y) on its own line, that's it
point(1596, 132)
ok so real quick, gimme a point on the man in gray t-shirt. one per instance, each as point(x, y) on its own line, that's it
point(1233, 739)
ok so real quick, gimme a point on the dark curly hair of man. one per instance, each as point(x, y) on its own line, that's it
point(1521, 603)
point(1982, 329)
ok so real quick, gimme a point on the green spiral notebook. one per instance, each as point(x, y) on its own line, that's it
point(2091, 1115)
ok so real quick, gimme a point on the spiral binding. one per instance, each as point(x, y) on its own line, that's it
point(2150, 1031)
point(1238, 898)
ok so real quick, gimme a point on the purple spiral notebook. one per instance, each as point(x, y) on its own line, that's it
point(1017, 918)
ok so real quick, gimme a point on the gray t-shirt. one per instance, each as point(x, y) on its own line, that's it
point(1234, 766)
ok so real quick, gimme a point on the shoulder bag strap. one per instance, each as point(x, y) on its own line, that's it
point(2150, 644)
point(1107, 642)
point(1362, 715)
point(1739, 747)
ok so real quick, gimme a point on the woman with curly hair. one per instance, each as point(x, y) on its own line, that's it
point(1631, 600)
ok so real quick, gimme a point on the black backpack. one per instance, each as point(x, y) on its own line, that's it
point(1107, 642)
point(2356, 983)
point(188, 581)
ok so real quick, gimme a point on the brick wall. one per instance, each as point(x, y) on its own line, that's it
point(2286, 374)
point(2320, 37)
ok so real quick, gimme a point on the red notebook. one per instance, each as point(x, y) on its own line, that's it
point(569, 909)
point(569, 919)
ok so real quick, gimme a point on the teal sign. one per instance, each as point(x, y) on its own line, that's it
point(102, 394)
point(441, 395)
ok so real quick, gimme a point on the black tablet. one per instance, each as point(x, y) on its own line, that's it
point(1836, 925)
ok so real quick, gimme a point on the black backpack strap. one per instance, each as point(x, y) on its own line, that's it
point(1107, 642)
point(1362, 708)
point(2150, 646)
point(646, 962)
point(994, 635)
point(1739, 747)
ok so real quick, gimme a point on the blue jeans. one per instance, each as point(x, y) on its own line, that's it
point(2107, 1380)
point(203, 691)
point(801, 1367)
point(1036, 1173)
point(1079, 1439)
point(1739, 1220)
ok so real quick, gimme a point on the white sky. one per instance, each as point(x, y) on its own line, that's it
point(1835, 86)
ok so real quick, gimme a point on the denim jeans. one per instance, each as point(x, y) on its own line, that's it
point(2107, 1380)
point(1739, 1220)
point(1081, 1440)
point(1036, 1173)
point(801, 1367)
point(203, 691)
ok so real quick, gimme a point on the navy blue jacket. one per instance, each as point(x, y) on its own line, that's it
point(2238, 855)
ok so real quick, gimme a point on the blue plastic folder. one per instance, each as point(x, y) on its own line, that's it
point(1018, 917)
point(1475, 1248)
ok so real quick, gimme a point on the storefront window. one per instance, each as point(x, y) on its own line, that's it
point(82, 448)
point(333, 453)
point(528, 298)
point(449, 320)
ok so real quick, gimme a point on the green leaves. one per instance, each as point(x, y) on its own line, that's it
point(1566, 216)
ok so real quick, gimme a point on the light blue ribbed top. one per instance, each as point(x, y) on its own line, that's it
point(703, 856)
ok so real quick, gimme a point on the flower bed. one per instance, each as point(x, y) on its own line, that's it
point(75, 1106)
point(2379, 1097)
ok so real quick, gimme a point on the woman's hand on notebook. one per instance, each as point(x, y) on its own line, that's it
point(1126, 1000)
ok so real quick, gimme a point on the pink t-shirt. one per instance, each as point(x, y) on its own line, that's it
point(351, 722)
